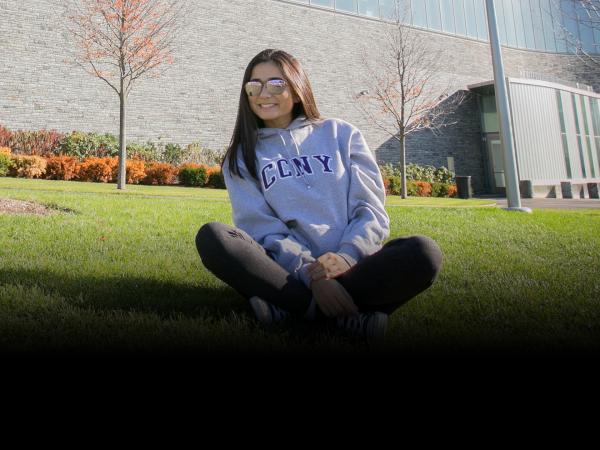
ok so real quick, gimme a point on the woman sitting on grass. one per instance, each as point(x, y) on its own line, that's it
point(308, 208)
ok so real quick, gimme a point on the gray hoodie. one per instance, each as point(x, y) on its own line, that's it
point(319, 191)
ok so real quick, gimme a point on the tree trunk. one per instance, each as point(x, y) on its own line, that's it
point(403, 164)
point(121, 177)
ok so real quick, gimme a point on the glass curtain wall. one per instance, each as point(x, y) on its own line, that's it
point(545, 25)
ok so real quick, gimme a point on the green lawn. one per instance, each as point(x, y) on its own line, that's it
point(120, 273)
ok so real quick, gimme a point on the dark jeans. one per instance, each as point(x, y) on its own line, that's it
point(384, 281)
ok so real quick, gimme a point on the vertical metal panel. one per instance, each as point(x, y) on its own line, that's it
point(571, 134)
point(563, 134)
point(589, 136)
point(537, 132)
point(581, 144)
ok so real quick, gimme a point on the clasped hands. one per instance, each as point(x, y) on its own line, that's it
point(330, 295)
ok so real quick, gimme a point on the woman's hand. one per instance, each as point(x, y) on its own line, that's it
point(329, 265)
point(333, 299)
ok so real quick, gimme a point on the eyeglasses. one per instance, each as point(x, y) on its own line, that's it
point(274, 87)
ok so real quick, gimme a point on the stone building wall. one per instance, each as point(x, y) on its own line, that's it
point(196, 98)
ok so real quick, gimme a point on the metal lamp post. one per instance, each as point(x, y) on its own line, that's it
point(506, 137)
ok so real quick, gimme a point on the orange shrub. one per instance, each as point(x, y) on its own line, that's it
point(28, 166)
point(161, 173)
point(386, 185)
point(97, 169)
point(191, 166)
point(5, 151)
point(211, 169)
point(62, 168)
point(452, 190)
point(423, 188)
point(134, 170)
point(393, 185)
point(214, 177)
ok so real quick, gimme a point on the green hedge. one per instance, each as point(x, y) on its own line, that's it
point(216, 180)
point(415, 172)
point(84, 145)
point(192, 176)
point(440, 189)
point(5, 164)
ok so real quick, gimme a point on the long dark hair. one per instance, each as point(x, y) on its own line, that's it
point(245, 134)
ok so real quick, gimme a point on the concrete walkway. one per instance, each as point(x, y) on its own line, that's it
point(555, 203)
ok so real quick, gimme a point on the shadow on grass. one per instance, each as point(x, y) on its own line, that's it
point(225, 322)
point(166, 299)
point(139, 294)
point(230, 325)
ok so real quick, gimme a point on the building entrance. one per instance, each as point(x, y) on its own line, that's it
point(496, 179)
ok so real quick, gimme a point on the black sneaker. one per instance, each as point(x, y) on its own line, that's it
point(368, 325)
point(266, 313)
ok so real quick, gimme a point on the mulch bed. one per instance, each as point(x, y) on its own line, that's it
point(10, 206)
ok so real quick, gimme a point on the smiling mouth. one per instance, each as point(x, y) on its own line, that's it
point(267, 105)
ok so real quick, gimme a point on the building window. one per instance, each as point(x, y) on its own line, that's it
point(471, 18)
point(546, 25)
point(549, 25)
point(586, 33)
point(419, 13)
point(579, 137)
point(326, 3)
point(482, 26)
point(346, 5)
point(538, 27)
point(570, 28)
point(563, 134)
point(508, 17)
point(519, 27)
point(527, 23)
point(499, 7)
point(387, 9)
point(588, 138)
point(404, 10)
point(489, 114)
point(595, 107)
point(447, 13)
point(368, 8)
point(559, 24)
point(434, 19)
point(459, 17)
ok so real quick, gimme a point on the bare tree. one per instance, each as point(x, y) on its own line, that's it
point(402, 96)
point(119, 42)
point(576, 18)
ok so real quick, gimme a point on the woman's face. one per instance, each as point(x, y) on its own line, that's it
point(274, 110)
